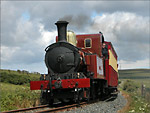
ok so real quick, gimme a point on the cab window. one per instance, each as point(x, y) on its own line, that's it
point(88, 43)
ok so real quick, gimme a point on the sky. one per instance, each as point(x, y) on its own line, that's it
point(28, 27)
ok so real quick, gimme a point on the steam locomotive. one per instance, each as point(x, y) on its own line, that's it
point(80, 67)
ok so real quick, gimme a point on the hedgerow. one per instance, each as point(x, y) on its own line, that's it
point(130, 86)
point(17, 78)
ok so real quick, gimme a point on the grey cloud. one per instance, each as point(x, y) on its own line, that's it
point(138, 7)
point(26, 55)
point(72, 12)
point(53, 11)
point(128, 32)
point(34, 67)
point(80, 21)
point(22, 33)
point(16, 35)
point(48, 13)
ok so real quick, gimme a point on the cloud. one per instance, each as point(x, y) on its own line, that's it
point(27, 28)
point(134, 65)
point(49, 12)
point(7, 53)
point(128, 32)
point(138, 7)
point(46, 37)
point(73, 20)
point(27, 44)
point(34, 67)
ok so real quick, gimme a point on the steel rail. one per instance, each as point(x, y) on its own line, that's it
point(26, 109)
point(61, 108)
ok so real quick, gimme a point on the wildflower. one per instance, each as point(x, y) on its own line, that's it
point(143, 109)
point(132, 111)
point(145, 105)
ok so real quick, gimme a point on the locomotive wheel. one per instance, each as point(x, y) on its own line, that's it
point(88, 95)
point(43, 98)
point(65, 100)
point(51, 101)
point(76, 96)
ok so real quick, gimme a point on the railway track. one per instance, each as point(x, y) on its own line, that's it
point(27, 109)
point(45, 109)
point(67, 107)
point(59, 107)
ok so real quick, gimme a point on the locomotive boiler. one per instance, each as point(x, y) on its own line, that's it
point(79, 67)
point(62, 57)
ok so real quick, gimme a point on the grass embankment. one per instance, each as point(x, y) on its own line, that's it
point(17, 96)
point(132, 83)
point(15, 90)
point(18, 77)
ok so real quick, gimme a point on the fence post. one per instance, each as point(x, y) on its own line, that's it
point(142, 88)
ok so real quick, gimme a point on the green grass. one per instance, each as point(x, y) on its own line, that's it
point(17, 96)
point(145, 82)
point(134, 74)
point(132, 81)
point(19, 72)
point(15, 90)
point(17, 77)
point(139, 103)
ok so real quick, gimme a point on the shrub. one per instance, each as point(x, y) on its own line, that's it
point(17, 78)
point(130, 86)
point(119, 81)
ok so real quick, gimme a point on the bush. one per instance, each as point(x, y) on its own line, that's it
point(119, 81)
point(130, 86)
point(17, 78)
point(14, 78)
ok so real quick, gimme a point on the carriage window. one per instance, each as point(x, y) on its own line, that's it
point(88, 43)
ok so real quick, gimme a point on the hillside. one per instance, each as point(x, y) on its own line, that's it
point(134, 74)
point(15, 90)
point(18, 77)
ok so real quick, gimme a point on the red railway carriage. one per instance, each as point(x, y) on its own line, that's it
point(112, 66)
point(93, 43)
point(79, 67)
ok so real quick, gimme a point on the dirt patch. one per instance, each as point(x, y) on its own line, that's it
point(127, 106)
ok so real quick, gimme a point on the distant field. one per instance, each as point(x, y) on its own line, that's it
point(139, 76)
point(134, 74)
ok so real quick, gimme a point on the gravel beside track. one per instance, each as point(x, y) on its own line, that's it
point(107, 106)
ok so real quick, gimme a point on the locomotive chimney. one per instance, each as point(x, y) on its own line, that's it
point(62, 28)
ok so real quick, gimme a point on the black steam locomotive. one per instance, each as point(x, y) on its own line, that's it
point(76, 70)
